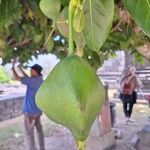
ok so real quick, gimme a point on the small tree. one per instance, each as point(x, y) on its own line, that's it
point(4, 78)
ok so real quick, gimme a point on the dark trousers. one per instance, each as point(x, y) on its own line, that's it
point(128, 102)
point(127, 108)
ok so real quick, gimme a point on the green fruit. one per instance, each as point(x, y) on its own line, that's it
point(72, 95)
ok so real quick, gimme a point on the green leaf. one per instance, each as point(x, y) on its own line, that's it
point(38, 38)
point(50, 8)
point(37, 35)
point(78, 20)
point(65, 2)
point(93, 58)
point(34, 7)
point(79, 40)
point(140, 12)
point(50, 45)
point(10, 11)
point(36, 12)
point(62, 24)
point(17, 32)
point(98, 20)
point(4, 77)
point(138, 58)
point(75, 90)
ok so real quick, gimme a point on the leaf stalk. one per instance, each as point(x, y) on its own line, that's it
point(80, 145)
point(71, 10)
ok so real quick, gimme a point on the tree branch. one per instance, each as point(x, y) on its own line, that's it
point(22, 43)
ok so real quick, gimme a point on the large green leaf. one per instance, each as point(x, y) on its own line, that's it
point(76, 96)
point(98, 21)
point(10, 10)
point(50, 8)
point(140, 12)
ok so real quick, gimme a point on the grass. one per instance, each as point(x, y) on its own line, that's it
point(12, 136)
point(10, 132)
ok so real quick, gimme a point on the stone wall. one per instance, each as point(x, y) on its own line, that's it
point(111, 70)
point(10, 107)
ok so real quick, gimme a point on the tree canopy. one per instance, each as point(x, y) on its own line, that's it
point(32, 27)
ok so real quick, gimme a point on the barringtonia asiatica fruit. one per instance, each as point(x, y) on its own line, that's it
point(72, 96)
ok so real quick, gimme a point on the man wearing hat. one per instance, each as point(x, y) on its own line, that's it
point(31, 112)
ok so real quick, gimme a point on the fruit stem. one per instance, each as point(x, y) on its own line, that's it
point(80, 145)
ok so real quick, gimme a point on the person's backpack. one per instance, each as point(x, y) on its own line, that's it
point(126, 89)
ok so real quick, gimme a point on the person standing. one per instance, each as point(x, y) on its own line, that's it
point(128, 95)
point(32, 114)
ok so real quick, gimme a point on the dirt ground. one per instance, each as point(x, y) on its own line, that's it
point(129, 130)
point(59, 138)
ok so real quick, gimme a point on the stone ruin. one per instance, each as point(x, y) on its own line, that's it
point(111, 72)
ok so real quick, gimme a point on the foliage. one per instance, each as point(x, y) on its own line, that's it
point(28, 29)
point(26, 35)
point(140, 12)
point(9, 13)
point(125, 34)
point(3, 76)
